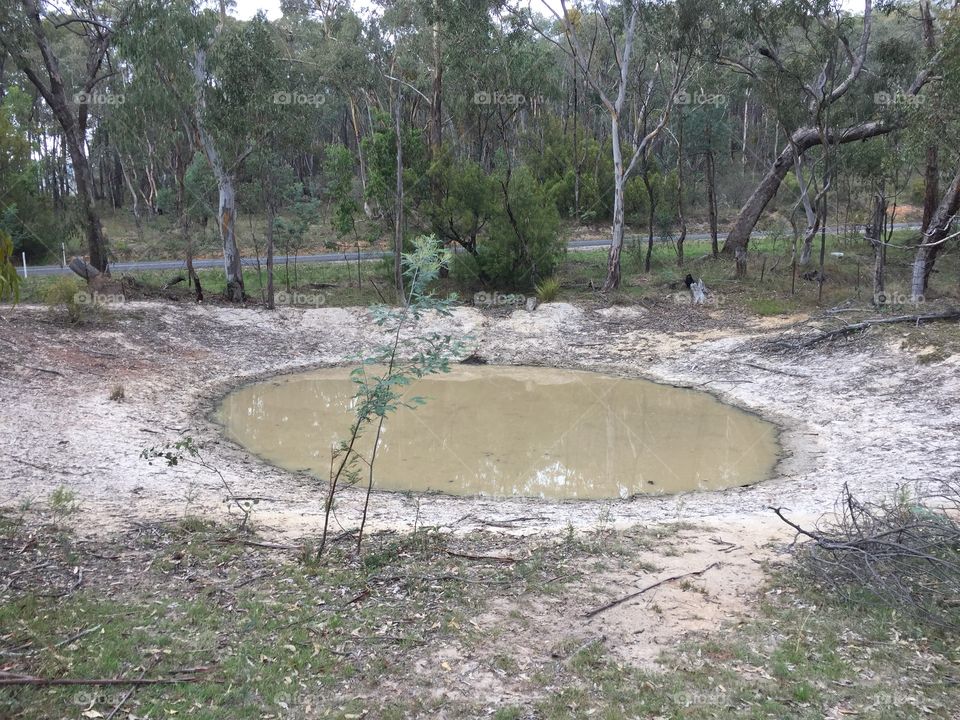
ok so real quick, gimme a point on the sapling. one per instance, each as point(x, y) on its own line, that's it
point(188, 451)
point(383, 376)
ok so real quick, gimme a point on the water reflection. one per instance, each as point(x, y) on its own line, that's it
point(502, 432)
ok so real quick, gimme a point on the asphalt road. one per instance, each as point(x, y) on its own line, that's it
point(119, 267)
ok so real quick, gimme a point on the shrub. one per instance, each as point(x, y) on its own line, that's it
point(524, 244)
point(69, 294)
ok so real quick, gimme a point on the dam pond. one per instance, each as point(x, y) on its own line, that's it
point(498, 431)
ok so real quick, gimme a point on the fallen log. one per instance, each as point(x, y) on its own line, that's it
point(84, 269)
point(857, 327)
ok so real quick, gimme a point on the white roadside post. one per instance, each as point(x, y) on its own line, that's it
point(23, 255)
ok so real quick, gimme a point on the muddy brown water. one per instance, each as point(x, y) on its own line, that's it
point(514, 431)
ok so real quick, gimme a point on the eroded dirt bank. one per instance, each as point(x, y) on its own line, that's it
point(867, 414)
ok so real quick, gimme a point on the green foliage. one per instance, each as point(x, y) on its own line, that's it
point(292, 229)
point(338, 168)
point(380, 148)
point(467, 198)
point(524, 244)
point(70, 294)
point(384, 376)
point(26, 216)
point(63, 502)
point(187, 450)
point(548, 289)
point(9, 280)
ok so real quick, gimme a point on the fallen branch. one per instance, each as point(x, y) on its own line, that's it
point(857, 327)
point(493, 558)
point(638, 593)
point(775, 370)
point(6, 679)
point(270, 545)
point(76, 636)
point(126, 696)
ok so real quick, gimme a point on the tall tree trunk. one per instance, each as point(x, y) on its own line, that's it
point(651, 212)
point(683, 221)
point(877, 240)
point(270, 218)
point(436, 100)
point(931, 174)
point(712, 203)
point(931, 186)
point(576, 155)
point(746, 118)
point(226, 212)
point(127, 170)
point(398, 210)
point(934, 239)
point(619, 180)
point(54, 93)
point(813, 217)
point(96, 241)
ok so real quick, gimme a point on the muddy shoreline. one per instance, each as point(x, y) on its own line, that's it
point(863, 414)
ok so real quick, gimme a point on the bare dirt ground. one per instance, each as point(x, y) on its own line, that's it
point(867, 413)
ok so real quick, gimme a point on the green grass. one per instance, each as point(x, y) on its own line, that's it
point(806, 655)
point(769, 289)
point(265, 634)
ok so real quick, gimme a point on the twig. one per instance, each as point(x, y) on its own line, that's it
point(40, 681)
point(774, 370)
point(631, 596)
point(126, 696)
point(77, 636)
point(270, 546)
point(494, 558)
point(38, 369)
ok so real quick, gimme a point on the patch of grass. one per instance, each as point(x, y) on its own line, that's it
point(769, 306)
point(807, 655)
point(548, 290)
point(118, 394)
point(285, 639)
point(63, 501)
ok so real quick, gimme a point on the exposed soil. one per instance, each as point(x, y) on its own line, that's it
point(873, 413)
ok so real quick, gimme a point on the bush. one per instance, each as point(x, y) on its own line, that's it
point(71, 295)
point(524, 244)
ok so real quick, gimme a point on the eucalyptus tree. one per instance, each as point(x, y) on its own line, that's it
point(30, 33)
point(660, 57)
point(801, 57)
point(224, 79)
point(936, 125)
